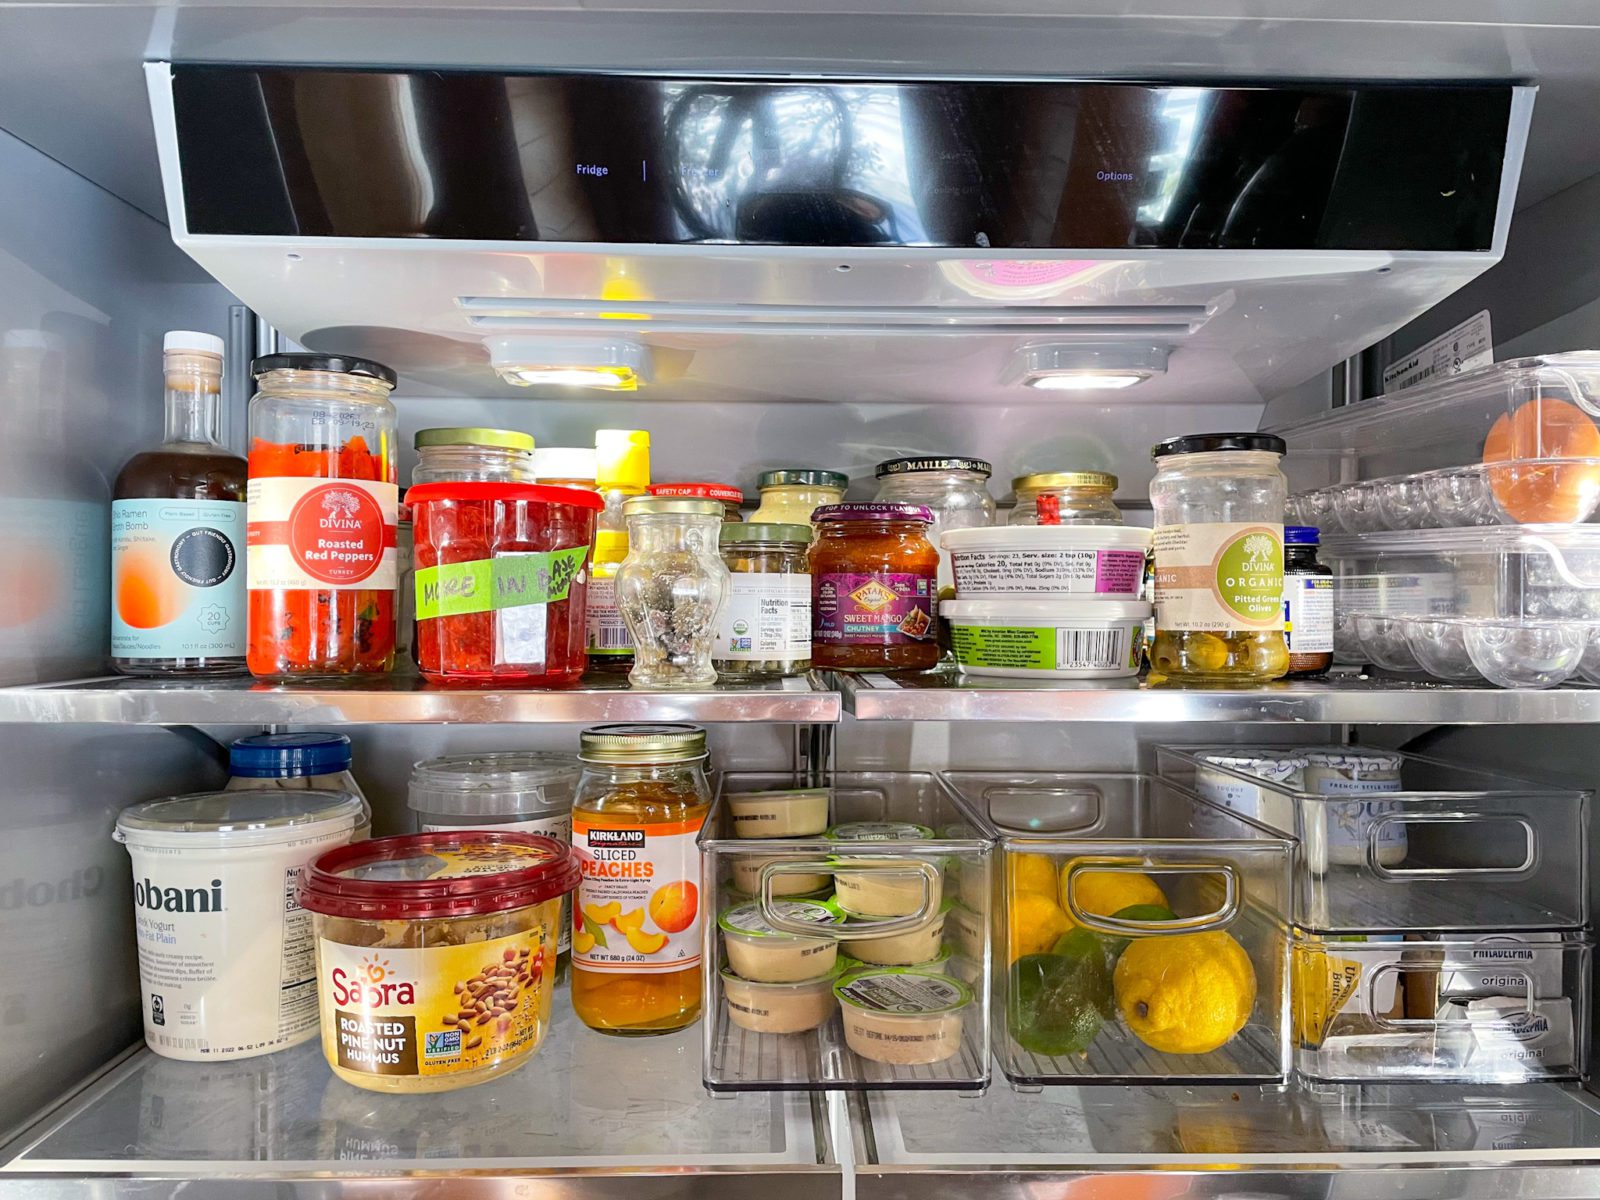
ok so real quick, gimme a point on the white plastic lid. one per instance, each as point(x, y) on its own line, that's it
point(508, 785)
point(1048, 537)
point(564, 462)
point(190, 342)
point(1044, 612)
point(249, 817)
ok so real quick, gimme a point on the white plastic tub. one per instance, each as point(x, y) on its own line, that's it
point(1045, 562)
point(227, 962)
point(1047, 639)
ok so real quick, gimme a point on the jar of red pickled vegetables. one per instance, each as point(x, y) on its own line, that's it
point(320, 552)
point(500, 581)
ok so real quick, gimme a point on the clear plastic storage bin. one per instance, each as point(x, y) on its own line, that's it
point(905, 861)
point(1391, 842)
point(1139, 933)
point(1459, 1008)
point(1518, 607)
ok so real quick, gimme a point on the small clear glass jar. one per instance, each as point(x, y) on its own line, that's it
point(1218, 501)
point(1065, 498)
point(473, 455)
point(671, 589)
point(765, 629)
point(297, 762)
point(790, 495)
point(730, 497)
point(955, 490)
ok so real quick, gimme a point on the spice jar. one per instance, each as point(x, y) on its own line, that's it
point(791, 494)
point(954, 490)
point(297, 762)
point(483, 455)
point(636, 942)
point(323, 501)
point(671, 589)
point(731, 498)
point(1218, 542)
point(1065, 498)
point(874, 588)
point(765, 630)
point(500, 582)
point(1307, 603)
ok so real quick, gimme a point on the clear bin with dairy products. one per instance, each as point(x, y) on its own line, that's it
point(1391, 842)
point(1140, 932)
point(847, 935)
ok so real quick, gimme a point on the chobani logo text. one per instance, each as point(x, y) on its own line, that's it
point(372, 985)
point(1248, 575)
point(147, 893)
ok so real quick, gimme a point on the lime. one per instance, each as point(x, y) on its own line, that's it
point(1135, 912)
point(1057, 1002)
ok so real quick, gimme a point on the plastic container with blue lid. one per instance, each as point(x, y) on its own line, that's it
point(306, 761)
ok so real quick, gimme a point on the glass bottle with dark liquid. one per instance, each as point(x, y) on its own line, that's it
point(178, 532)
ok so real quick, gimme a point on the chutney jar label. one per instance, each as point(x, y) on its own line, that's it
point(177, 580)
point(1220, 575)
point(317, 534)
point(889, 609)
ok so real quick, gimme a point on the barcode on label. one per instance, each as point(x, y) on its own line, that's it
point(612, 637)
point(1090, 648)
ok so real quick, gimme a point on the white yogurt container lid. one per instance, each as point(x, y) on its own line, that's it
point(903, 992)
point(1042, 612)
point(746, 920)
point(247, 817)
point(1047, 537)
point(879, 831)
point(1271, 765)
point(494, 785)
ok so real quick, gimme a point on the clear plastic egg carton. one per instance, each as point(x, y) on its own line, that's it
point(1518, 607)
point(1565, 491)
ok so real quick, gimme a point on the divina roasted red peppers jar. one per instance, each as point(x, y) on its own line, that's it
point(874, 588)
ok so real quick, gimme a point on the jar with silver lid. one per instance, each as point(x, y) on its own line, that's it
point(1065, 498)
point(473, 455)
point(954, 489)
point(765, 630)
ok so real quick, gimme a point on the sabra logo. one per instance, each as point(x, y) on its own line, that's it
point(149, 894)
point(372, 985)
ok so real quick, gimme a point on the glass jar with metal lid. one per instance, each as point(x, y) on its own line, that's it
point(296, 762)
point(790, 495)
point(765, 629)
point(1065, 498)
point(636, 945)
point(730, 497)
point(671, 589)
point(874, 581)
point(954, 489)
point(473, 455)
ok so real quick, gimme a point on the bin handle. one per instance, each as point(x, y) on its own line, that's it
point(1411, 1024)
point(927, 906)
point(1124, 927)
point(1530, 854)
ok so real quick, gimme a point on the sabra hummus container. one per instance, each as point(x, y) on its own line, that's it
point(800, 812)
point(436, 954)
point(1048, 562)
point(747, 876)
point(1047, 639)
point(906, 948)
point(887, 885)
point(902, 1017)
point(758, 952)
point(779, 1007)
point(225, 964)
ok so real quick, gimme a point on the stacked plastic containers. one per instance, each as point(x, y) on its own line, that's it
point(851, 945)
point(1439, 911)
point(1460, 520)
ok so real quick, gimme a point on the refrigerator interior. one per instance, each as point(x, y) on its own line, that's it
point(89, 281)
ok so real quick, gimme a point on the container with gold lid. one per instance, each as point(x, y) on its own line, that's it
point(469, 454)
point(1065, 498)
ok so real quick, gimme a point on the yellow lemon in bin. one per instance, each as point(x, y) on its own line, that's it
point(1104, 893)
point(1187, 993)
point(1035, 922)
point(1030, 873)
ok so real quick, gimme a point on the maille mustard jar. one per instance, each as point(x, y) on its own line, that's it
point(1218, 501)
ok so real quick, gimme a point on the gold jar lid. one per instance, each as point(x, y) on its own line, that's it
point(1064, 479)
point(672, 506)
point(642, 743)
point(465, 435)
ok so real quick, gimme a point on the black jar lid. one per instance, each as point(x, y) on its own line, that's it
point(907, 466)
point(1209, 443)
point(339, 364)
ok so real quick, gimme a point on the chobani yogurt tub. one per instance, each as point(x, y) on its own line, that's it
point(758, 952)
point(779, 1007)
point(902, 1017)
point(1048, 562)
point(1047, 639)
point(799, 812)
point(887, 885)
point(226, 966)
point(901, 949)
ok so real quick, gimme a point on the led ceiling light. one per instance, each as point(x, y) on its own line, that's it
point(612, 364)
point(1064, 367)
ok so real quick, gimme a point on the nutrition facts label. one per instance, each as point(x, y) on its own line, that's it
point(297, 977)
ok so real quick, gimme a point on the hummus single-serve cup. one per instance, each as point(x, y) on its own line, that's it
point(747, 875)
point(758, 952)
point(797, 812)
point(941, 964)
point(879, 831)
point(902, 949)
point(779, 1007)
point(225, 965)
point(887, 885)
point(902, 1017)
point(436, 954)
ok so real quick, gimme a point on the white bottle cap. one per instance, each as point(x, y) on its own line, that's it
point(188, 341)
point(563, 462)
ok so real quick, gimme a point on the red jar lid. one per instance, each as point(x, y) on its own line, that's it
point(582, 497)
point(699, 491)
point(451, 873)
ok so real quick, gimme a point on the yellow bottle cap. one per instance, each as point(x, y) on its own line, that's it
point(622, 458)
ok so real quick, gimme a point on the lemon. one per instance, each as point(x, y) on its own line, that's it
point(1102, 893)
point(1035, 923)
point(1185, 994)
point(1030, 873)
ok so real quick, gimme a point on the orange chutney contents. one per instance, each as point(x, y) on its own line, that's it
point(874, 588)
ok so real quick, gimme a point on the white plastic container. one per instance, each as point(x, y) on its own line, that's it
point(1047, 639)
point(227, 961)
point(1048, 562)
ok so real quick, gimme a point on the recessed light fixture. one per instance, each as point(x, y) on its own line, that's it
point(1065, 367)
point(608, 364)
